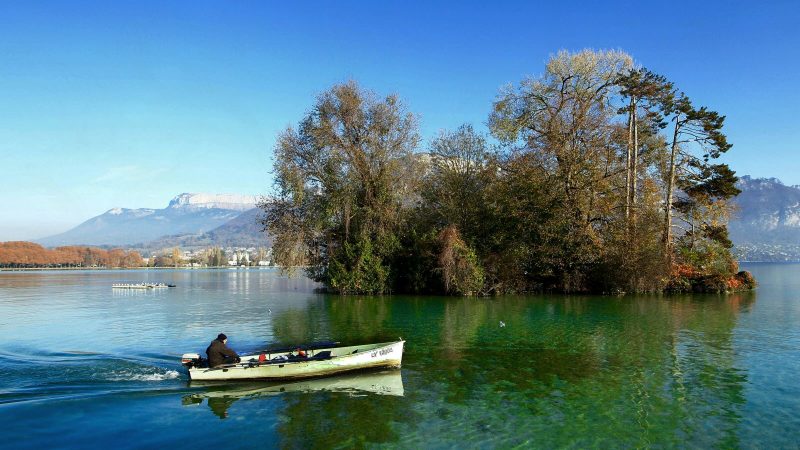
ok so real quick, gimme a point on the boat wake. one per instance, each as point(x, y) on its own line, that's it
point(42, 376)
point(147, 374)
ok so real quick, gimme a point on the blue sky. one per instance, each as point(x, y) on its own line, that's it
point(106, 104)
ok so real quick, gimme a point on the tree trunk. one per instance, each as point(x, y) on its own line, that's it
point(634, 161)
point(347, 221)
point(667, 236)
point(628, 166)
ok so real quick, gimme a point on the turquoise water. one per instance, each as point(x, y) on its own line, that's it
point(82, 365)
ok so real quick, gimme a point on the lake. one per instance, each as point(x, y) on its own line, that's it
point(82, 365)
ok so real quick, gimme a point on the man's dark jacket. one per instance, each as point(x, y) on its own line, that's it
point(219, 353)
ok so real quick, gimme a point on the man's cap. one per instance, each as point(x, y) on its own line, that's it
point(221, 337)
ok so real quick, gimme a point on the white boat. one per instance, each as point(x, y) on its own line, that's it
point(129, 286)
point(285, 365)
point(141, 285)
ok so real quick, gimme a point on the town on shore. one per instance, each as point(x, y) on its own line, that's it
point(29, 255)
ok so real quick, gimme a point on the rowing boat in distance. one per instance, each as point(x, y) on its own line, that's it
point(141, 285)
point(285, 365)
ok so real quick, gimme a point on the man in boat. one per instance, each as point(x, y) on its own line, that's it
point(219, 353)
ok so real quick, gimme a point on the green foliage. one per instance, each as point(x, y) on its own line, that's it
point(342, 180)
point(708, 256)
point(582, 194)
point(357, 270)
point(415, 265)
point(707, 266)
point(454, 189)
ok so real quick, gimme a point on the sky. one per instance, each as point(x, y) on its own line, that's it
point(127, 104)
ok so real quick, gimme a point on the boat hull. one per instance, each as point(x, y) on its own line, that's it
point(343, 359)
point(141, 286)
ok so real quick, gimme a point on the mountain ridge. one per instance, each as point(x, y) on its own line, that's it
point(244, 230)
point(187, 213)
point(766, 222)
point(238, 202)
point(767, 212)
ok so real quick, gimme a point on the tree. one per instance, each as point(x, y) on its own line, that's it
point(343, 182)
point(164, 261)
point(176, 257)
point(562, 124)
point(454, 187)
point(261, 254)
point(450, 218)
point(644, 90)
point(215, 257)
point(697, 138)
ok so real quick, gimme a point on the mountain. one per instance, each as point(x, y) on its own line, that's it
point(766, 223)
point(242, 231)
point(196, 202)
point(186, 214)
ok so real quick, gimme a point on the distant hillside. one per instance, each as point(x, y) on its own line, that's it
point(185, 214)
point(766, 225)
point(242, 231)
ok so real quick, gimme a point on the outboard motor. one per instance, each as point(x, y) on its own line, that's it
point(190, 360)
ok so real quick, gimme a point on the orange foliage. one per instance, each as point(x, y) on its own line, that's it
point(28, 254)
point(734, 283)
point(686, 277)
point(742, 280)
point(685, 271)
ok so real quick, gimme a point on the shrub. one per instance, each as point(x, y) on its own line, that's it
point(357, 270)
point(461, 272)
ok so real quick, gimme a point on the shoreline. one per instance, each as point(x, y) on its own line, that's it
point(43, 269)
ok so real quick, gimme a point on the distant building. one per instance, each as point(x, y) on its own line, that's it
point(239, 257)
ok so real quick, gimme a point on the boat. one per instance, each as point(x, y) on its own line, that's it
point(285, 364)
point(141, 285)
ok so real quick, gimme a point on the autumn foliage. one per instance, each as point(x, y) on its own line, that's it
point(689, 278)
point(28, 254)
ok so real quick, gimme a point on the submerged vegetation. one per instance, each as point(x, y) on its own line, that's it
point(603, 177)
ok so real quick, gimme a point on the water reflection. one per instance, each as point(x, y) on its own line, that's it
point(220, 396)
point(660, 362)
point(663, 360)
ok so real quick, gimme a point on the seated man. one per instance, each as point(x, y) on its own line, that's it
point(220, 354)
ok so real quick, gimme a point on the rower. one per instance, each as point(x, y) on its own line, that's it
point(219, 353)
